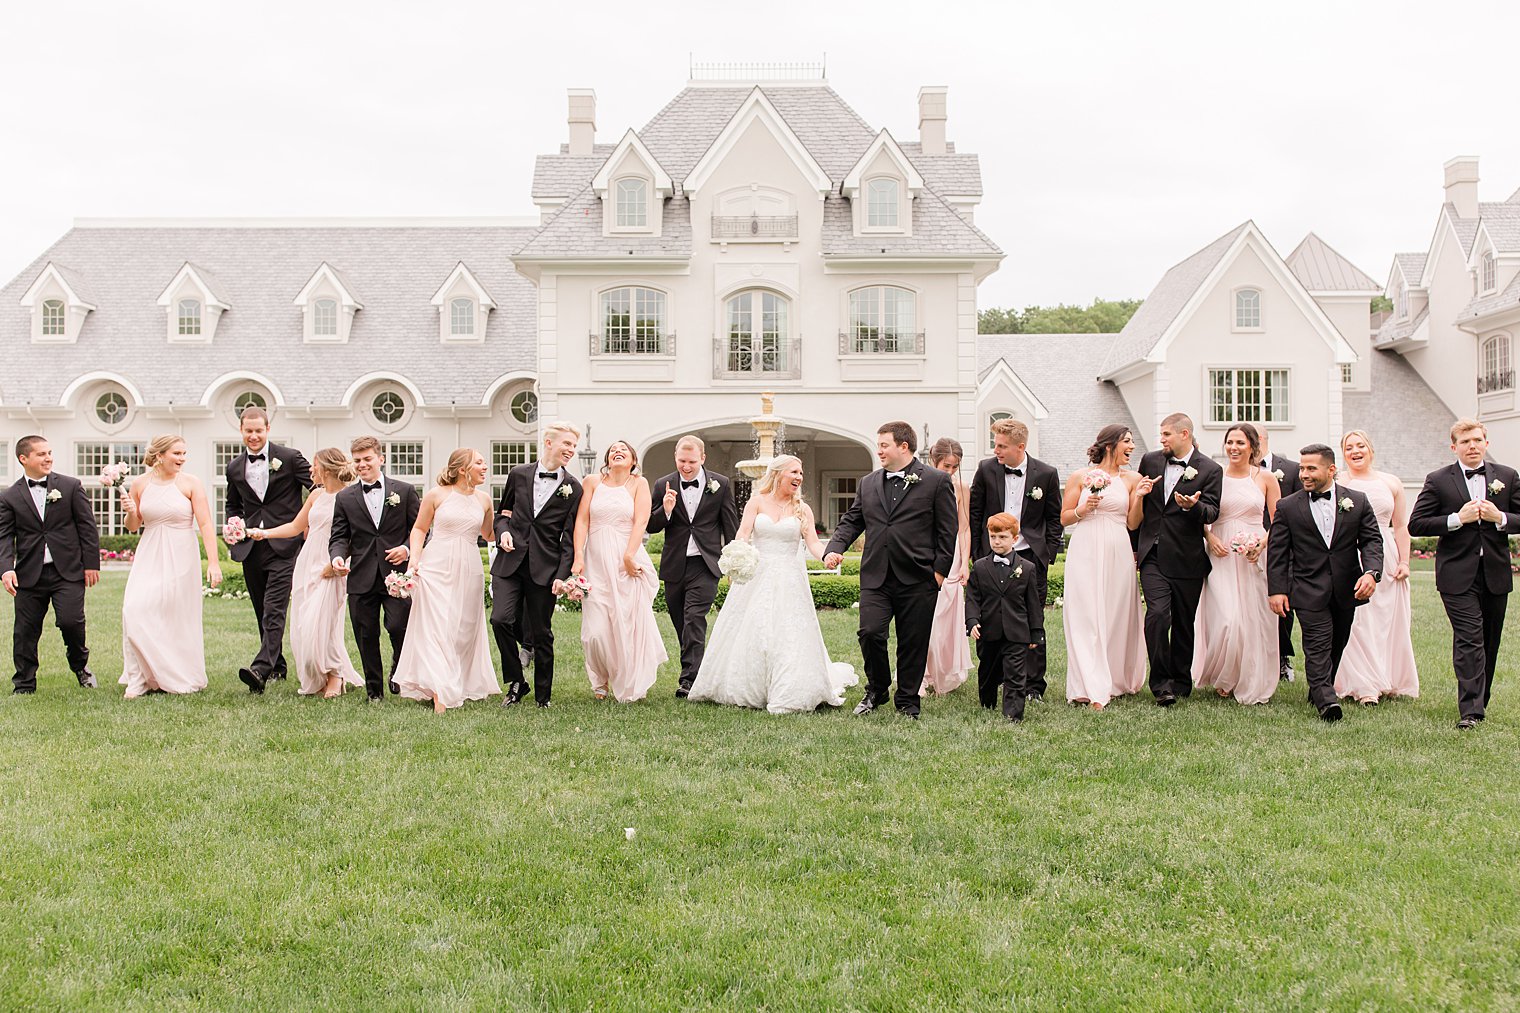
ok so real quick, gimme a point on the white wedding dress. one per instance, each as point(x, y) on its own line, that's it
point(766, 648)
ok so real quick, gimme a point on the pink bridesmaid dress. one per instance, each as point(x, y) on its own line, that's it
point(949, 660)
point(1235, 646)
point(1105, 649)
point(618, 631)
point(445, 656)
point(317, 607)
point(1379, 657)
point(162, 647)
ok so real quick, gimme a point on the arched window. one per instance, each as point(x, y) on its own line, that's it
point(757, 333)
point(1247, 308)
point(388, 407)
point(992, 418)
point(324, 318)
point(524, 407)
point(881, 203)
point(1497, 373)
point(1488, 272)
point(53, 325)
point(633, 322)
point(111, 408)
point(883, 318)
point(248, 399)
point(189, 317)
point(462, 317)
point(632, 204)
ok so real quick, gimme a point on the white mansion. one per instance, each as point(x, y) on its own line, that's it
point(750, 237)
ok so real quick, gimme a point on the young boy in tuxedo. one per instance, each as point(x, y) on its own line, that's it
point(1005, 615)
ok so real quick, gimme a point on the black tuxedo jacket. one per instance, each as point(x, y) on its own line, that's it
point(1315, 577)
point(1005, 601)
point(912, 541)
point(68, 531)
point(1458, 555)
point(1290, 482)
point(355, 536)
point(1039, 519)
point(546, 542)
point(715, 525)
point(1175, 534)
point(282, 500)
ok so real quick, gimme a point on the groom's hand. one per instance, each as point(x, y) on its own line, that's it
point(1278, 603)
point(91, 578)
point(830, 562)
point(506, 541)
point(1187, 502)
point(9, 580)
point(397, 555)
point(1365, 586)
point(670, 500)
point(976, 632)
point(939, 580)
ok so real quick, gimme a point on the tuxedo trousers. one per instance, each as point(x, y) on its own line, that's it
point(1477, 622)
point(67, 600)
point(689, 600)
point(1285, 637)
point(269, 578)
point(1036, 674)
point(911, 607)
point(522, 612)
point(1171, 611)
point(1006, 664)
point(365, 611)
point(1325, 633)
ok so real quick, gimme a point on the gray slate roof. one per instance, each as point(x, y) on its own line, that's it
point(938, 229)
point(1412, 265)
point(1502, 223)
point(1484, 305)
point(1321, 269)
point(1465, 228)
point(1394, 329)
point(1060, 370)
point(576, 231)
point(1408, 423)
point(260, 271)
point(562, 174)
point(1164, 303)
point(950, 174)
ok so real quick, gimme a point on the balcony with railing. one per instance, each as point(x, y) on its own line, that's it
point(880, 355)
point(740, 359)
point(754, 228)
point(1496, 382)
point(635, 354)
point(878, 341)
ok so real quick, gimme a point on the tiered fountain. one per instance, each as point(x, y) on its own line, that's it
point(765, 425)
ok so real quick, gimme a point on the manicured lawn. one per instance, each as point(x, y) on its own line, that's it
point(224, 852)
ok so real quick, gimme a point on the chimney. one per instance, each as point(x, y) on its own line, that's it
point(1462, 185)
point(582, 120)
point(931, 119)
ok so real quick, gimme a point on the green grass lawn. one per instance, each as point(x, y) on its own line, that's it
point(223, 852)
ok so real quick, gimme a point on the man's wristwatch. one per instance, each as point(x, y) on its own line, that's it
point(1376, 575)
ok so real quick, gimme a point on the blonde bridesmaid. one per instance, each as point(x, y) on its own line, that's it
point(949, 659)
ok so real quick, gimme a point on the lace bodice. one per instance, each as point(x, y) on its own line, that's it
point(777, 539)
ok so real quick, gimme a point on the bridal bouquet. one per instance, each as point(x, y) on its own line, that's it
point(1096, 481)
point(577, 587)
point(400, 585)
point(113, 475)
point(1244, 542)
point(234, 531)
point(738, 561)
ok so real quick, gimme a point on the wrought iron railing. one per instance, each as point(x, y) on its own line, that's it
point(1502, 380)
point(634, 342)
point(732, 361)
point(754, 227)
point(874, 341)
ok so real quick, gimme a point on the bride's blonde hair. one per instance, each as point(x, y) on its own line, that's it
point(772, 475)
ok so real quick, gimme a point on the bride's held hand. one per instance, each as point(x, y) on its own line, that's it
point(832, 560)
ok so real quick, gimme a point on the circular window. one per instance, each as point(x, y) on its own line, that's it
point(524, 407)
point(388, 408)
point(111, 408)
point(246, 399)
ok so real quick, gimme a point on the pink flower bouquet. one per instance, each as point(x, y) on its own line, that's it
point(113, 475)
point(234, 531)
point(1096, 481)
point(1243, 542)
point(577, 587)
point(400, 585)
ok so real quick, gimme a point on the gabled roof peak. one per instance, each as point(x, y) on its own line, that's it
point(757, 108)
point(884, 142)
point(631, 142)
point(1322, 269)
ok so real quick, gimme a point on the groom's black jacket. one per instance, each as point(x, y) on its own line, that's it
point(912, 541)
point(67, 531)
point(1315, 577)
point(715, 525)
point(1175, 534)
point(282, 499)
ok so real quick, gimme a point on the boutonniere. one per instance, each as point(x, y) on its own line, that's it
point(1495, 486)
point(1189, 473)
point(712, 486)
point(911, 478)
point(1346, 504)
point(1278, 474)
point(54, 496)
point(1018, 571)
point(394, 499)
point(275, 464)
point(1036, 493)
point(564, 491)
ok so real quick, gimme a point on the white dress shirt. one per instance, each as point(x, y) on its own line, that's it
point(692, 498)
point(375, 500)
point(256, 472)
point(543, 488)
point(1477, 489)
point(1013, 498)
point(1324, 516)
point(39, 497)
point(1174, 472)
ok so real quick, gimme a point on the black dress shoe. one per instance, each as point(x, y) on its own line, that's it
point(910, 715)
point(86, 678)
point(1331, 713)
point(374, 698)
point(394, 688)
point(23, 690)
point(252, 680)
point(867, 704)
point(1285, 674)
point(683, 691)
point(543, 705)
point(278, 673)
point(1467, 724)
point(1165, 699)
point(512, 697)
point(1035, 697)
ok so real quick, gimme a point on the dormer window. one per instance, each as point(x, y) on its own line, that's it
point(463, 304)
point(189, 318)
point(462, 318)
point(328, 303)
point(58, 305)
point(1489, 282)
point(53, 321)
point(193, 302)
point(324, 318)
point(632, 204)
point(881, 203)
point(1248, 310)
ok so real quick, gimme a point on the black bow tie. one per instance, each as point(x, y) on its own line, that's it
point(1172, 460)
point(370, 488)
point(256, 457)
point(37, 483)
point(1481, 469)
point(689, 485)
point(1013, 471)
point(1319, 495)
point(548, 475)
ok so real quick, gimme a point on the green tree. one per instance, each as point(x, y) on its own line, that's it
point(1104, 316)
point(997, 321)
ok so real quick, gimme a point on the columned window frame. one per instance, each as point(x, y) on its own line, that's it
point(757, 339)
point(633, 320)
point(883, 320)
point(1256, 394)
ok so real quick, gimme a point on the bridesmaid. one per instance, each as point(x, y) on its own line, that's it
point(1236, 648)
point(1105, 651)
point(949, 660)
point(445, 658)
point(1379, 657)
point(319, 597)
point(162, 647)
point(618, 632)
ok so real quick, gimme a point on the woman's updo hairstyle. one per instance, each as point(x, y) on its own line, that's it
point(160, 446)
point(1109, 437)
point(335, 465)
point(459, 463)
point(945, 447)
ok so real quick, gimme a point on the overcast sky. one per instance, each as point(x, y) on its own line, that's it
point(1115, 138)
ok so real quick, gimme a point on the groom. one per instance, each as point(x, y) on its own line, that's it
point(49, 554)
point(695, 508)
point(1181, 489)
point(908, 514)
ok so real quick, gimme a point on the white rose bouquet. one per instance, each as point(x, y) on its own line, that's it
point(738, 561)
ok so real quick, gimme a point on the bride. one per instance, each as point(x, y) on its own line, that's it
point(767, 650)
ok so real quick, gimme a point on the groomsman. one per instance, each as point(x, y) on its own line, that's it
point(907, 513)
point(695, 508)
point(371, 529)
point(1013, 482)
point(1472, 507)
point(1286, 472)
point(1324, 559)
point(1005, 615)
point(1181, 496)
point(265, 487)
point(49, 555)
point(535, 528)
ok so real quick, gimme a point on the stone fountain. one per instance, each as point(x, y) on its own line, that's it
point(765, 425)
